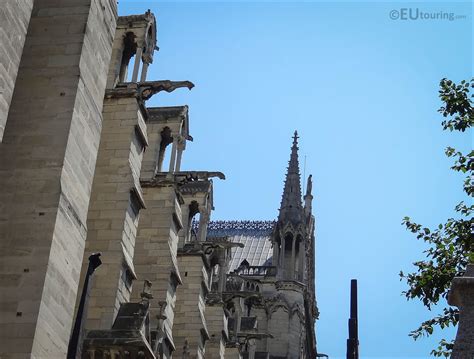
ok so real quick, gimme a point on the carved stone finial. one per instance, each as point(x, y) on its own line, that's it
point(295, 138)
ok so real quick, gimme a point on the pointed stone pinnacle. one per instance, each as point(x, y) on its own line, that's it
point(291, 207)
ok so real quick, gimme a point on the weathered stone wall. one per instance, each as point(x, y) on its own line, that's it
point(216, 322)
point(113, 212)
point(47, 162)
point(156, 251)
point(14, 20)
point(232, 353)
point(189, 322)
point(285, 321)
point(150, 159)
point(262, 323)
point(278, 324)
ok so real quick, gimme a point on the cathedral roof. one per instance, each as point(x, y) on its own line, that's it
point(254, 235)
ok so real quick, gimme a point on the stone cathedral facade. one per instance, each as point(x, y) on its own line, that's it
point(87, 167)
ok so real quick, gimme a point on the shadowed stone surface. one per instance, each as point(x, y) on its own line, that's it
point(14, 20)
point(47, 162)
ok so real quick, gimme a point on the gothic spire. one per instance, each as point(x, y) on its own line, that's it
point(291, 208)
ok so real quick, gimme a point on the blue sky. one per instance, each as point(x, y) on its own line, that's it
point(361, 89)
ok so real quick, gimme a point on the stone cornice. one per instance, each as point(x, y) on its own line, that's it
point(290, 285)
point(126, 21)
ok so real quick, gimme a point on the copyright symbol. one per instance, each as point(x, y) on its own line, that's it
point(394, 14)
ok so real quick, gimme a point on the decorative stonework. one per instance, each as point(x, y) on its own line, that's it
point(235, 228)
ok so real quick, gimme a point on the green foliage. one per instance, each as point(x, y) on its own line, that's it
point(451, 245)
point(457, 104)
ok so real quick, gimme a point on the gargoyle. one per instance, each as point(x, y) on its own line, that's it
point(150, 88)
point(191, 176)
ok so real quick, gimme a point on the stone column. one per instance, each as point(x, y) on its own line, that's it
point(252, 348)
point(293, 254)
point(301, 250)
point(238, 315)
point(282, 256)
point(461, 295)
point(181, 148)
point(173, 154)
point(138, 60)
point(144, 71)
point(203, 222)
point(276, 258)
point(223, 268)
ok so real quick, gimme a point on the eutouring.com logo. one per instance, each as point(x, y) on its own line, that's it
point(417, 14)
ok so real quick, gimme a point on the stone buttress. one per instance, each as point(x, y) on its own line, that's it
point(14, 17)
point(117, 194)
point(198, 259)
point(157, 239)
point(47, 161)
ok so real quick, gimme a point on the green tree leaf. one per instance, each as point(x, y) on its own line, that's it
point(450, 245)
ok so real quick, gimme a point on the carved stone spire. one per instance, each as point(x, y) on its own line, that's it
point(291, 208)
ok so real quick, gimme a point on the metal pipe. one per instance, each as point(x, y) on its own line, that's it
point(353, 341)
point(72, 350)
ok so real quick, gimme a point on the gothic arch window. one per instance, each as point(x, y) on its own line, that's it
point(300, 255)
point(288, 242)
point(166, 139)
point(129, 50)
point(193, 212)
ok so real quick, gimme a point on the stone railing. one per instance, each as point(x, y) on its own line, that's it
point(256, 271)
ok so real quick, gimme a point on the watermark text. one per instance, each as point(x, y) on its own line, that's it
point(412, 14)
